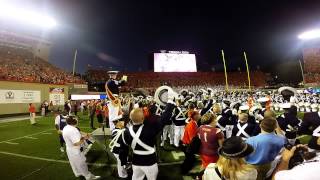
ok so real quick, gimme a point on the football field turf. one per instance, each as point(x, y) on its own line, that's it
point(32, 152)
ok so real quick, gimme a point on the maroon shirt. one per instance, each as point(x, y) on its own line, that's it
point(209, 137)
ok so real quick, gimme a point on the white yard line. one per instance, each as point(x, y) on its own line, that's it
point(67, 162)
point(11, 143)
point(26, 136)
point(13, 119)
point(46, 133)
point(34, 157)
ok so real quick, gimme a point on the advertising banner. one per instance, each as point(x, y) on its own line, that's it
point(56, 95)
point(19, 96)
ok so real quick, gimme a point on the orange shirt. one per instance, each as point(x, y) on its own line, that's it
point(146, 112)
point(190, 132)
point(32, 109)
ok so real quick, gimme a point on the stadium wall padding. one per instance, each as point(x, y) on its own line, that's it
point(20, 108)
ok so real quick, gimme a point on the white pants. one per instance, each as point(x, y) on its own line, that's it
point(178, 134)
point(228, 130)
point(122, 172)
point(167, 131)
point(78, 164)
point(43, 111)
point(32, 118)
point(139, 172)
point(111, 125)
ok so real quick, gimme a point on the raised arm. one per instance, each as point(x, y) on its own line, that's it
point(207, 107)
point(167, 114)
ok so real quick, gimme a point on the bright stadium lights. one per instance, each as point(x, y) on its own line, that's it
point(313, 34)
point(10, 12)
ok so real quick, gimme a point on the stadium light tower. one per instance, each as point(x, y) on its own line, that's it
point(20, 14)
point(308, 35)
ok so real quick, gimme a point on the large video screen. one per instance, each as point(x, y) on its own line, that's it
point(171, 62)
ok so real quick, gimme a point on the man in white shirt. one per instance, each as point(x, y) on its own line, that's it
point(73, 140)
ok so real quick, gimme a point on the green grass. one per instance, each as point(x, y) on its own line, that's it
point(47, 146)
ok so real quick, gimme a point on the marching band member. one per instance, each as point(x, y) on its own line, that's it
point(221, 122)
point(168, 131)
point(252, 117)
point(142, 139)
point(310, 122)
point(105, 112)
point(264, 103)
point(226, 111)
point(229, 119)
point(311, 126)
point(119, 151)
point(67, 107)
point(287, 93)
point(99, 114)
point(258, 115)
point(60, 122)
point(179, 121)
point(92, 111)
point(288, 121)
point(74, 140)
point(113, 84)
point(200, 106)
point(207, 107)
point(243, 129)
point(112, 90)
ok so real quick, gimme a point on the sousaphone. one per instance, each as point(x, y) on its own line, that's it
point(161, 95)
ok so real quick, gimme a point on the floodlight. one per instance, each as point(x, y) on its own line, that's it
point(26, 16)
point(313, 34)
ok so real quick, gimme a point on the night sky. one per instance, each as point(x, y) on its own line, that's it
point(121, 34)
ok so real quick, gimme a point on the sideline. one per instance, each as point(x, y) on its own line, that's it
point(67, 162)
point(26, 136)
point(14, 119)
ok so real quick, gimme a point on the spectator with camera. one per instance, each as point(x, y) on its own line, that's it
point(297, 163)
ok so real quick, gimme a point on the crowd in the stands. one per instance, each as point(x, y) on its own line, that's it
point(19, 64)
point(152, 80)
